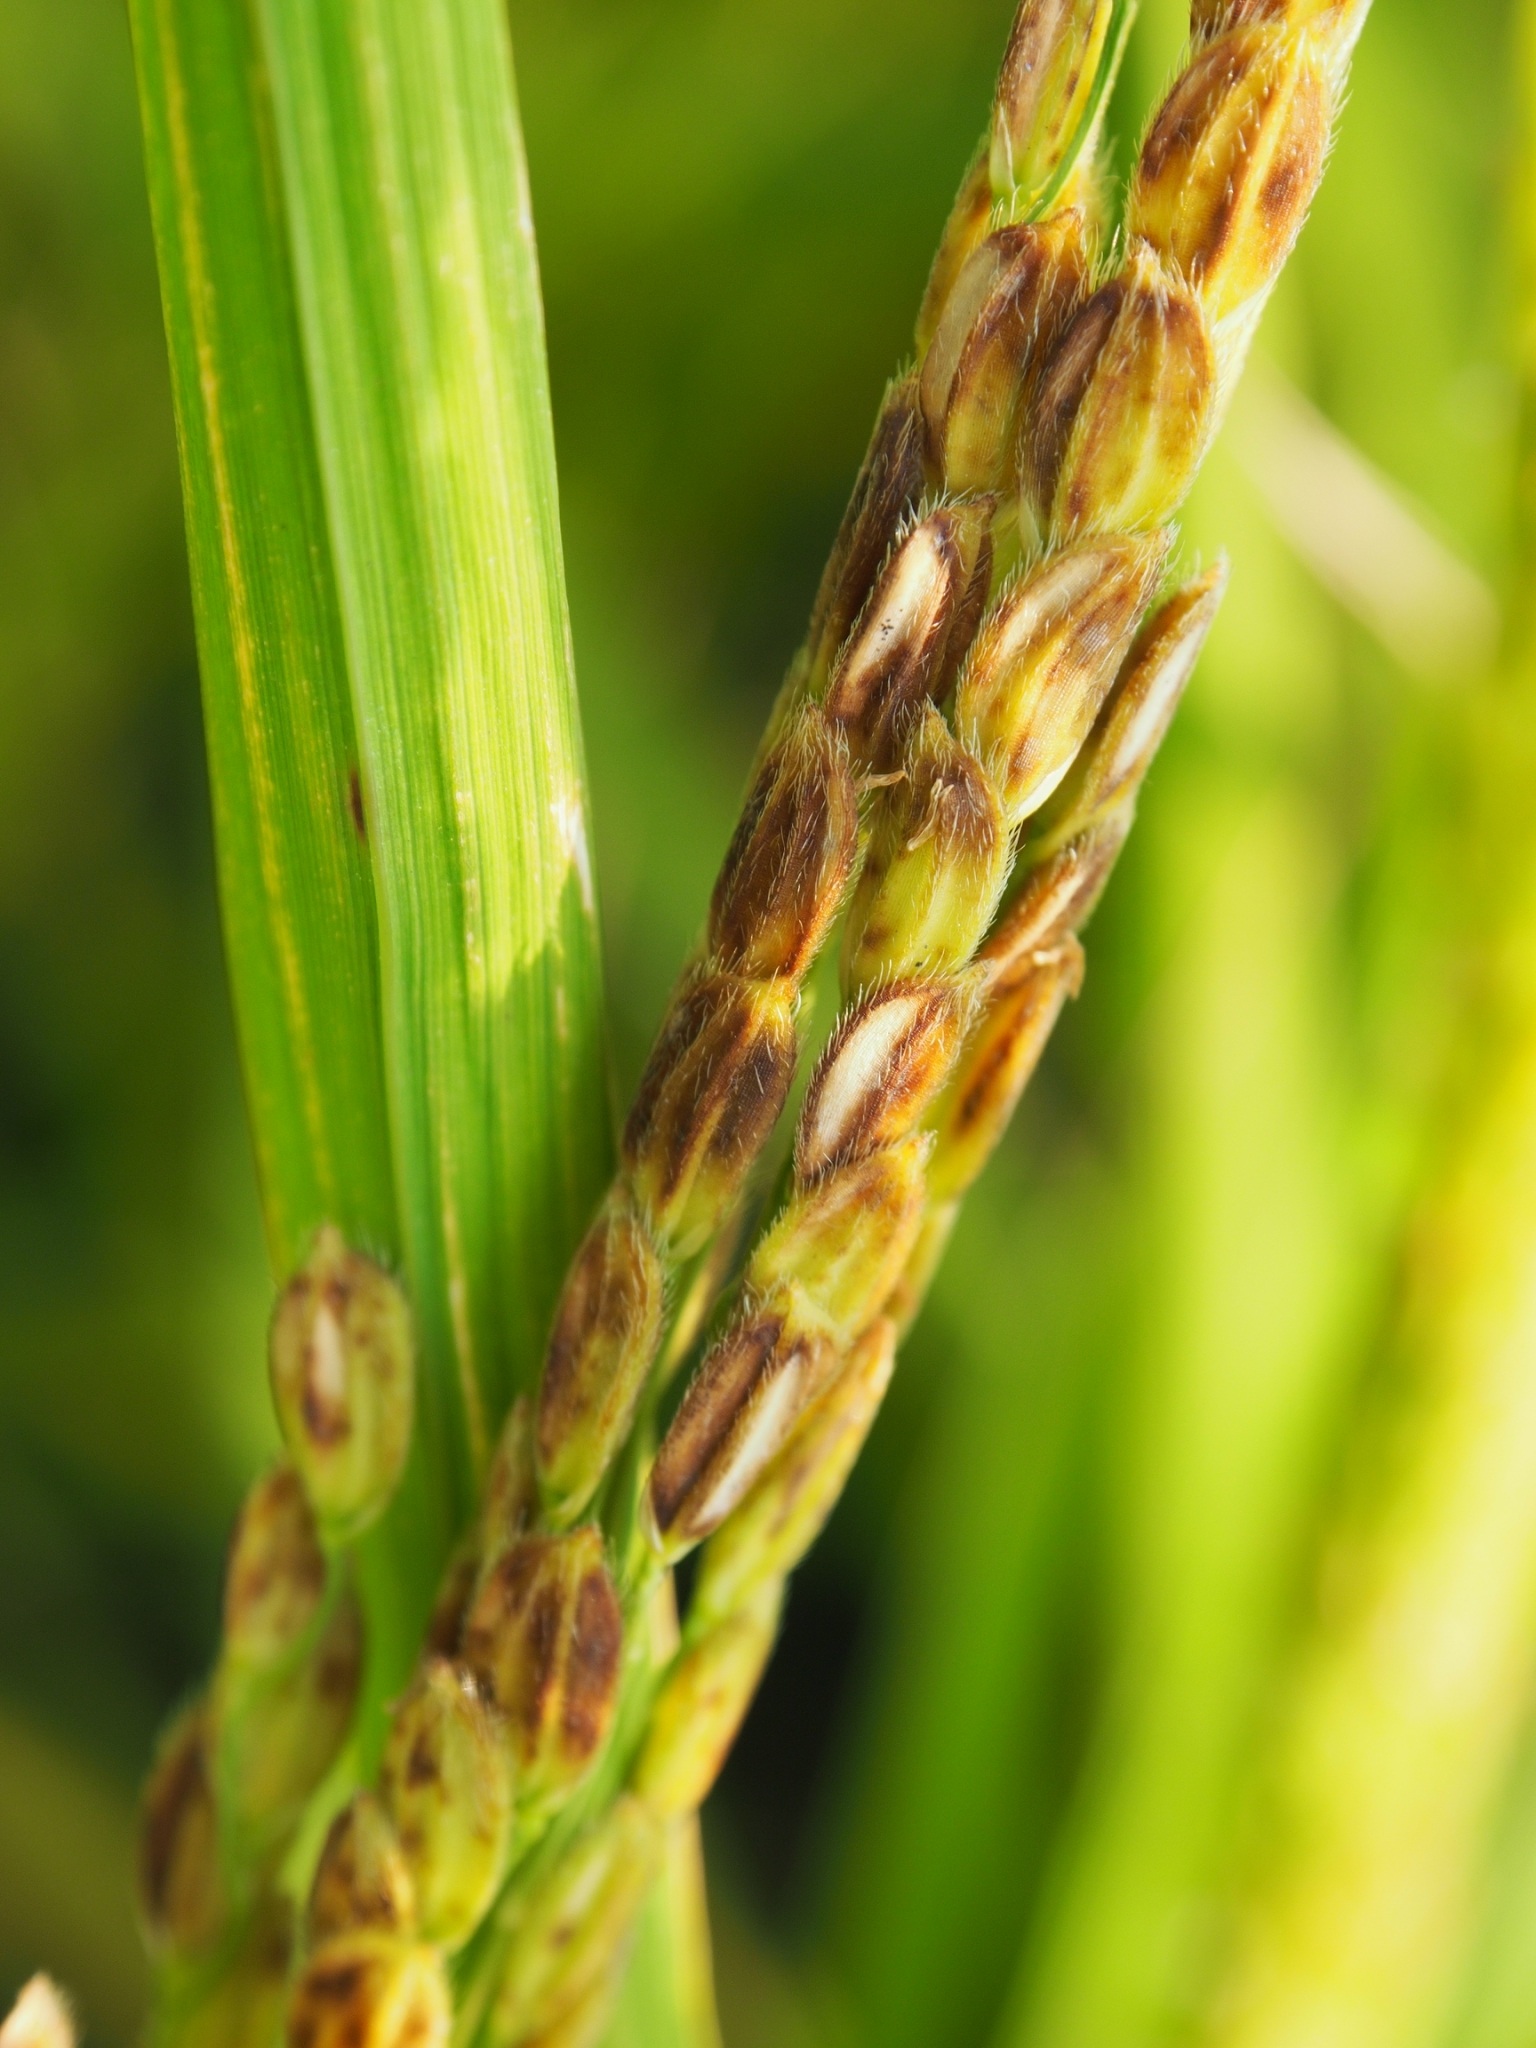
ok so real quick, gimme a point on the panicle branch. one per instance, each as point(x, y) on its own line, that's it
point(980, 693)
point(994, 666)
point(1071, 413)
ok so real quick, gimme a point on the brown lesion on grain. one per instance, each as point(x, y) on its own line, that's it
point(335, 1983)
point(751, 1098)
point(716, 1397)
point(896, 1091)
point(530, 1699)
point(178, 1788)
point(791, 856)
point(592, 1668)
point(339, 1660)
point(544, 1643)
point(888, 487)
point(876, 683)
point(421, 1765)
point(1064, 381)
point(713, 1090)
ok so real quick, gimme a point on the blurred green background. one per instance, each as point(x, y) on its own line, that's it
point(1002, 1770)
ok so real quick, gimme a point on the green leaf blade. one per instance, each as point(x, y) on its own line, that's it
point(295, 887)
point(413, 252)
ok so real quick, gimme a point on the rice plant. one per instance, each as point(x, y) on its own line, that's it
point(444, 1776)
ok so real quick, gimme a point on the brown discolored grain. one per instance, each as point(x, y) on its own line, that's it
point(370, 1990)
point(278, 1731)
point(445, 1782)
point(1136, 425)
point(453, 1596)
point(882, 1065)
point(1211, 18)
point(1064, 378)
point(897, 652)
point(710, 1096)
point(967, 225)
point(509, 1499)
point(1138, 711)
point(544, 1641)
point(786, 1510)
point(362, 1879)
point(741, 1404)
point(790, 858)
point(999, 1059)
point(593, 1665)
point(884, 496)
point(935, 863)
point(1046, 658)
point(180, 1880)
point(1054, 52)
point(1057, 897)
point(342, 1366)
point(733, 1372)
point(607, 1327)
point(1231, 162)
point(837, 1248)
point(275, 1577)
point(1009, 304)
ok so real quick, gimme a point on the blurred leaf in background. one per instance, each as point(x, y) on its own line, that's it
point(131, 1268)
point(988, 1793)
